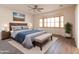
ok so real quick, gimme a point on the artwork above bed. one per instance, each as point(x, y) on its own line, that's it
point(18, 16)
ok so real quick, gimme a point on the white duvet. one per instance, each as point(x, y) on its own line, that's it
point(28, 38)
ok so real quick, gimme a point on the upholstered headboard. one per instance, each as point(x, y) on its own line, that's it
point(16, 24)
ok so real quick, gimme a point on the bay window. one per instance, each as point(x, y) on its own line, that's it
point(52, 22)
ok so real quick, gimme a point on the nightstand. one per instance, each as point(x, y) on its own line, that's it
point(5, 35)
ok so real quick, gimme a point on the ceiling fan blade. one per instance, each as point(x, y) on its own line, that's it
point(39, 10)
point(30, 7)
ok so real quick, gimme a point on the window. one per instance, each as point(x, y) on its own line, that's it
point(62, 21)
point(52, 22)
point(56, 22)
point(45, 22)
point(41, 23)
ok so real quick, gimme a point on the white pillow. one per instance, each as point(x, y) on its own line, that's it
point(15, 28)
point(24, 27)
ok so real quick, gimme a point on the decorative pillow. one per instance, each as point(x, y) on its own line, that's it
point(16, 28)
point(24, 27)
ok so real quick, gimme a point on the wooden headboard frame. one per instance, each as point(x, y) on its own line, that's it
point(16, 24)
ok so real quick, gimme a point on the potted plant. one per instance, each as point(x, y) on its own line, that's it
point(68, 30)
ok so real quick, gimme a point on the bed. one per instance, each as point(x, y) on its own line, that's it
point(23, 35)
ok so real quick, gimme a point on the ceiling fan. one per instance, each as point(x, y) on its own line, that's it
point(35, 8)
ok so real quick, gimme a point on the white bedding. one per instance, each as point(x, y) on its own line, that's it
point(14, 33)
point(28, 38)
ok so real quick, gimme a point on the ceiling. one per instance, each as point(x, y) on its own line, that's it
point(25, 8)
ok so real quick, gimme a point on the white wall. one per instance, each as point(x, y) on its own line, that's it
point(6, 16)
point(77, 25)
point(68, 17)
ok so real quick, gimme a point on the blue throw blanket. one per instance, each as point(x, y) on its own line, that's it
point(21, 35)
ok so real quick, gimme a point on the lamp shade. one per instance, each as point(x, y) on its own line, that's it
point(5, 27)
point(30, 25)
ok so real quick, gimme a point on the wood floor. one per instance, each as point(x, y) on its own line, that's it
point(63, 46)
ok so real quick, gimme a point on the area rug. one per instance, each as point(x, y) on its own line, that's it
point(34, 50)
point(6, 48)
